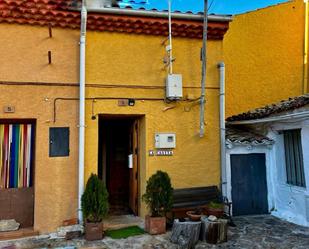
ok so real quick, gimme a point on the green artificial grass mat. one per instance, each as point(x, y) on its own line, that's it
point(124, 232)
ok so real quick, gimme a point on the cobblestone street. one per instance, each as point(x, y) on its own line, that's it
point(265, 232)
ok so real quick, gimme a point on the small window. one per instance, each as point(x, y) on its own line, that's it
point(294, 158)
point(59, 139)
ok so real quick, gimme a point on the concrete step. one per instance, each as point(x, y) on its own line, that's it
point(23, 232)
point(122, 221)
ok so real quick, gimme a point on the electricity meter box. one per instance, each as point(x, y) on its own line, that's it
point(174, 86)
point(165, 140)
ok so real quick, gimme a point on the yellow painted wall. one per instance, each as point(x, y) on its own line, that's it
point(23, 58)
point(123, 59)
point(263, 52)
point(24, 54)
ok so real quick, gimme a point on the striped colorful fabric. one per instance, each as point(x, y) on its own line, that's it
point(16, 145)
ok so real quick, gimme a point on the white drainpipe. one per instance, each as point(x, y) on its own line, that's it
point(81, 150)
point(221, 67)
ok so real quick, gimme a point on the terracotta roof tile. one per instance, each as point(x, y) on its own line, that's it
point(246, 137)
point(57, 13)
point(268, 110)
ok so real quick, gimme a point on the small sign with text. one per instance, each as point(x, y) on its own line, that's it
point(9, 109)
point(161, 153)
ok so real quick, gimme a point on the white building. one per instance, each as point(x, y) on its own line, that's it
point(267, 161)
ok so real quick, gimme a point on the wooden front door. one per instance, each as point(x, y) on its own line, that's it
point(249, 186)
point(134, 175)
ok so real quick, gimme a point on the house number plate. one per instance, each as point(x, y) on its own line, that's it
point(161, 153)
point(8, 109)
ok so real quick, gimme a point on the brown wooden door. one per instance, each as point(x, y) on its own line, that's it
point(134, 171)
point(117, 160)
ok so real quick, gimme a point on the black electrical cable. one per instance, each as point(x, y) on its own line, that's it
point(100, 98)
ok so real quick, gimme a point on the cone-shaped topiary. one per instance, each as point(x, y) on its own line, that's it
point(159, 194)
point(95, 200)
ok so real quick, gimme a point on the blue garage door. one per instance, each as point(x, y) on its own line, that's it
point(249, 187)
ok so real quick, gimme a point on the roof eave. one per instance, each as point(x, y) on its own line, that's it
point(230, 143)
point(158, 14)
point(302, 114)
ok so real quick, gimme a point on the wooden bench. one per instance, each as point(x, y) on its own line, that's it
point(191, 198)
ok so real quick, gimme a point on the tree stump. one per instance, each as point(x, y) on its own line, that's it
point(185, 234)
point(214, 232)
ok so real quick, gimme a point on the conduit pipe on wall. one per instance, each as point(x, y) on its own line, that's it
point(98, 98)
point(306, 32)
point(170, 36)
point(223, 179)
point(81, 155)
point(204, 64)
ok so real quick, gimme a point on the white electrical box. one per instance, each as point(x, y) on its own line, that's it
point(174, 86)
point(165, 140)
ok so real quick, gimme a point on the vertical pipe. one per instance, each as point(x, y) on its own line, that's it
point(223, 179)
point(170, 36)
point(305, 84)
point(81, 155)
point(203, 82)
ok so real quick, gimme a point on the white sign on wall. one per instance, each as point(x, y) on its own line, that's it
point(161, 153)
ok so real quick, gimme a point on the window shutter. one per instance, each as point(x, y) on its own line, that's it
point(294, 158)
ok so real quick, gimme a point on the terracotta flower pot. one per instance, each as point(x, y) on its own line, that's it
point(218, 212)
point(194, 217)
point(93, 231)
point(155, 225)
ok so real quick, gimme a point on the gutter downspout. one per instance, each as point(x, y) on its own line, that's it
point(221, 67)
point(81, 150)
point(305, 84)
point(204, 64)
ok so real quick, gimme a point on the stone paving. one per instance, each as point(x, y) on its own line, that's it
point(251, 232)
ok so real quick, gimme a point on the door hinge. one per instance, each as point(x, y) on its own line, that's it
point(136, 150)
point(136, 175)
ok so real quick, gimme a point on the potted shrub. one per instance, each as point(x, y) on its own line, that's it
point(215, 209)
point(94, 207)
point(158, 198)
